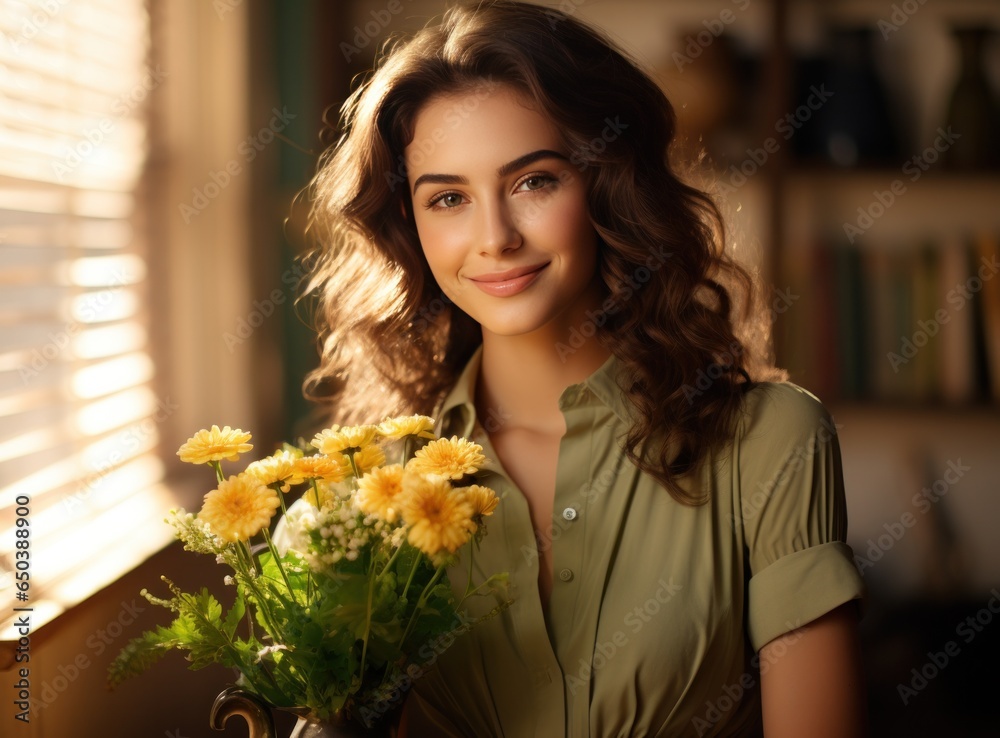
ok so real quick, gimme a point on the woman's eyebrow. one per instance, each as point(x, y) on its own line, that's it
point(503, 171)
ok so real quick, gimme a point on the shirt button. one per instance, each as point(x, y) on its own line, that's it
point(569, 513)
point(566, 575)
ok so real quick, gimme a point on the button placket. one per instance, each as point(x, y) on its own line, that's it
point(567, 549)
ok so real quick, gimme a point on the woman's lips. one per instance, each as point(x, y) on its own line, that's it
point(504, 285)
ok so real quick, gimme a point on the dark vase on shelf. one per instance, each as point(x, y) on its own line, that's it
point(853, 127)
point(233, 701)
point(972, 110)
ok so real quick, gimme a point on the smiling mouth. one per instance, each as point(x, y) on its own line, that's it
point(509, 274)
point(510, 282)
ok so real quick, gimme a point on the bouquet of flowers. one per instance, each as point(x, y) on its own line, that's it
point(334, 614)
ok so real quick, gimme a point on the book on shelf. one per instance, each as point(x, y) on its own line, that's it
point(906, 322)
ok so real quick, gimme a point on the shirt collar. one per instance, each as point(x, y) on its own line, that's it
point(458, 410)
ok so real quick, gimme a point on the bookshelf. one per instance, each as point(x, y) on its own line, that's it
point(893, 250)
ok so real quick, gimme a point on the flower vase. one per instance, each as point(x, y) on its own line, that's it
point(233, 701)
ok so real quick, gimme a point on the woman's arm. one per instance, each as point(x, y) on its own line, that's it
point(812, 682)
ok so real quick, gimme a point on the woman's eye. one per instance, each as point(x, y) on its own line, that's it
point(449, 200)
point(535, 182)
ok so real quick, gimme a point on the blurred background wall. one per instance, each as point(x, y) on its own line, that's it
point(150, 155)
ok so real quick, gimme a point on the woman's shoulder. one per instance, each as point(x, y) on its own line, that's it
point(778, 412)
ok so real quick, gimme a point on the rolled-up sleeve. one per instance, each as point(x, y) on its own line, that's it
point(793, 511)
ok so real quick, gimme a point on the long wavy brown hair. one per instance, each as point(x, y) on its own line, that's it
point(691, 341)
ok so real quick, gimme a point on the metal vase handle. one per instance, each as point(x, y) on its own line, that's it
point(234, 701)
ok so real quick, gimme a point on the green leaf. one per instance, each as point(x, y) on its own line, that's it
point(234, 616)
point(141, 653)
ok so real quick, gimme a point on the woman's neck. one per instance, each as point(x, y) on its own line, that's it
point(522, 377)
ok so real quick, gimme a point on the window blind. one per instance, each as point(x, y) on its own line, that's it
point(79, 458)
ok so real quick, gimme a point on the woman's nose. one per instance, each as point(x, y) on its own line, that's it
point(498, 230)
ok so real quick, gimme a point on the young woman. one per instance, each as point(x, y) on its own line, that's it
point(508, 247)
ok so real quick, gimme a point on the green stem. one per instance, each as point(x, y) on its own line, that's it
point(246, 668)
point(391, 561)
point(468, 584)
point(281, 497)
point(409, 579)
point(217, 465)
point(262, 605)
point(315, 488)
point(368, 624)
point(421, 601)
point(354, 467)
point(277, 561)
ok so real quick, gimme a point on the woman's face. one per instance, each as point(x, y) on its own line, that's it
point(502, 213)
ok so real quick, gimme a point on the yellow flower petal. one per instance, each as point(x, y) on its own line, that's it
point(328, 468)
point(368, 458)
point(452, 458)
point(380, 492)
point(336, 439)
point(277, 468)
point(438, 517)
point(408, 425)
point(215, 445)
point(483, 500)
point(239, 507)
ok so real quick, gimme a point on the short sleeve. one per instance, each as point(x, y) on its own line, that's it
point(793, 511)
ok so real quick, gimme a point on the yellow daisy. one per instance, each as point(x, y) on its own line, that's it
point(408, 425)
point(483, 500)
point(368, 458)
point(215, 445)
point(380, 492)
point(451, 458)
point(328, 468)
point(335, 439)
point(277, 468)
point(239, 507)
point(439, 518)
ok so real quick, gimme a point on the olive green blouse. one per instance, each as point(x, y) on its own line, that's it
point(657, 608)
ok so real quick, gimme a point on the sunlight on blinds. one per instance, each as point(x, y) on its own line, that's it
point(78, 414)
